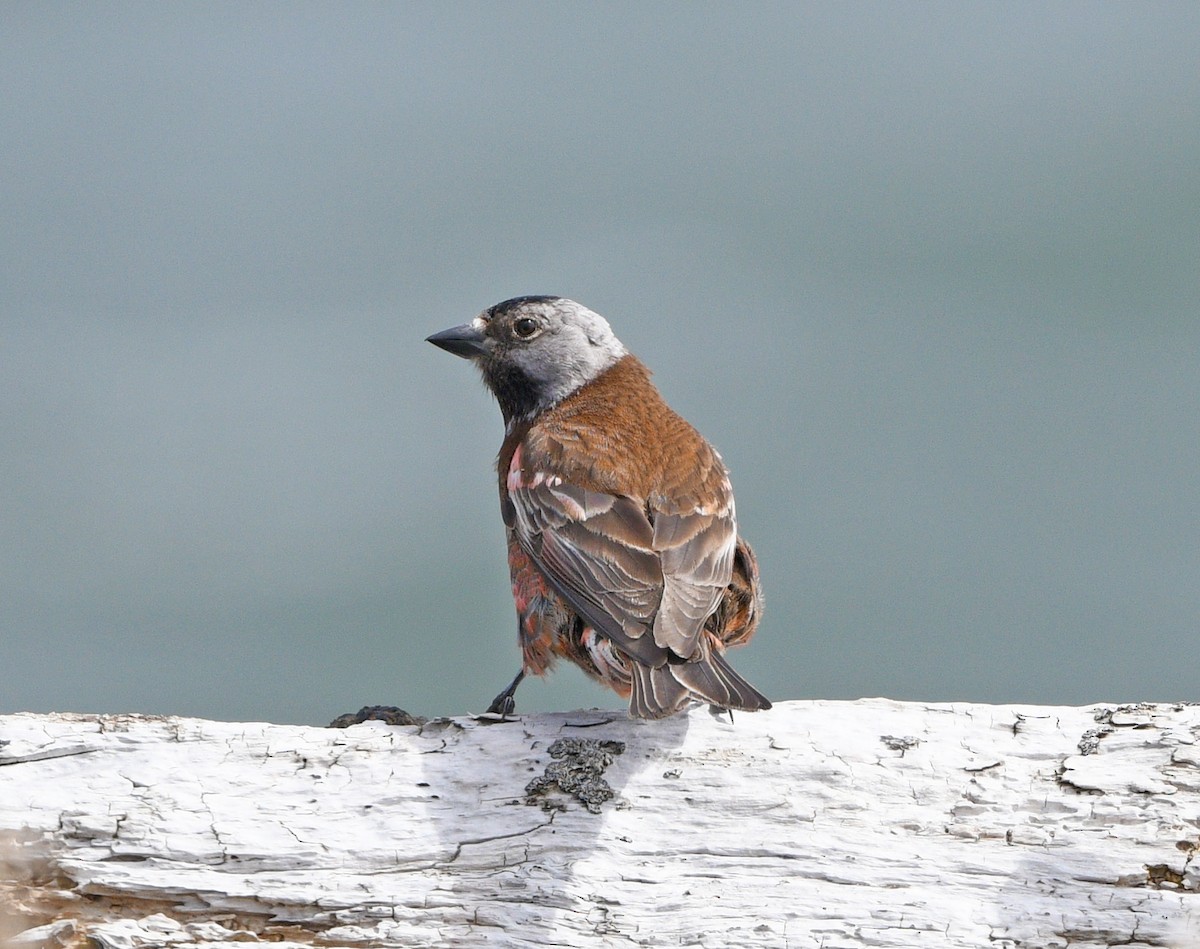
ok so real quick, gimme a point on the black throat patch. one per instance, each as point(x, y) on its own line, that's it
point(517, 394)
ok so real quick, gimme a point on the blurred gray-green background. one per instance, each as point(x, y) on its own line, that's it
point(927, 274)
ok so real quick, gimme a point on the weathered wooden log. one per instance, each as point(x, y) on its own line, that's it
point(816, 824)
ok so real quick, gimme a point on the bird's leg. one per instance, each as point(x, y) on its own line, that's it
point(505, 703)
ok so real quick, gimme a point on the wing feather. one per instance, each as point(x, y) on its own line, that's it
point(597, 551)
point(628, 566)
point(696, 552)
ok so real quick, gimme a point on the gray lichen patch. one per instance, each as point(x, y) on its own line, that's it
point(901, 744)
point(1091, 739)
point(578, 770)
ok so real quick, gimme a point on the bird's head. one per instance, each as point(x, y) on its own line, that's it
point(534, 351)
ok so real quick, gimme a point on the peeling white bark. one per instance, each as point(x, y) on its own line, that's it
point(817, 824)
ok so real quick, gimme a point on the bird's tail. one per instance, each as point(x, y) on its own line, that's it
point(665, 690)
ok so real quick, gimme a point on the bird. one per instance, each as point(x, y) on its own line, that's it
point(623, 549)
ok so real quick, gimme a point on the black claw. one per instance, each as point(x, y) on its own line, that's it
point(716, 712)
point(505, 704)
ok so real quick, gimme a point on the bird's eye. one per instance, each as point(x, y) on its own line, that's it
point(525, 327)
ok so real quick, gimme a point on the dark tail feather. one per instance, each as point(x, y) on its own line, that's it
point(714, 680)
point(665, 690)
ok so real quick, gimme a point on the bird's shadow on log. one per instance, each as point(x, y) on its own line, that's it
point(550, 814)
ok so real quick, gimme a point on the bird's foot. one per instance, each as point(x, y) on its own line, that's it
point(505, 704)
point(716, 712)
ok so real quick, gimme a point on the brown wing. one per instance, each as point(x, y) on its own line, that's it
point(597, 551)
point(621, 572)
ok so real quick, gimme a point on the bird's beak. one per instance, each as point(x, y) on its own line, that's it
point(465, 341)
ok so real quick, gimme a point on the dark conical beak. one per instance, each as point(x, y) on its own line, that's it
point(465, 341)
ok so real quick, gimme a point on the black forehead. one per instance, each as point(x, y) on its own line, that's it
point(503, 309)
